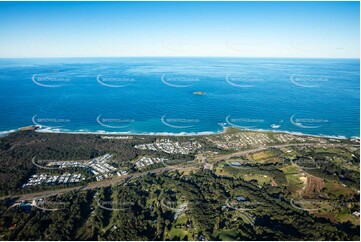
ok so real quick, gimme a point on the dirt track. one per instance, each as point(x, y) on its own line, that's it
point(314, 186)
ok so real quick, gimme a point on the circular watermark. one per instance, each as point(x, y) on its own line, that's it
point(114, 123)
point(305, 163)
point(306, 204)
point(303, 46)
point(178, 207)
point(50, 122)
point(59, 164)
point(308, 123)
point(178, 81)
point(243, 123)
point(241, 164)
point(243, 80)
point(241, 203)
point(171, 205)
point(44, 167)
point(115, 205)
point(54, 79)
point(308, 81)
point(115, 81)
point(48, 205)
point(173, 163)
point(321, 203)
point(245, 48)
point(179, 123)
point(177, 46)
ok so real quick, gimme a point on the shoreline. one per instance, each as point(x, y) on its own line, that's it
point(184, 134)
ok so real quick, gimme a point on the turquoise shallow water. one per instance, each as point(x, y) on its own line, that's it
point(156, 95)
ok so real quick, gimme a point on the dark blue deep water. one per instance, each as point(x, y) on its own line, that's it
point(156, 95)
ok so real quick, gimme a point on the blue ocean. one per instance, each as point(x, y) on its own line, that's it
point(181, 95)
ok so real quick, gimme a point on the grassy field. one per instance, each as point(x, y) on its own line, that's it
point(264, 157)
point(228, 235)
point(178, 230)
point(335, 190)
point(294, 178)
point(261, 179)
point(177, 234)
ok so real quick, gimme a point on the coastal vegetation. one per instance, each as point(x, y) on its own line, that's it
point(202, 189)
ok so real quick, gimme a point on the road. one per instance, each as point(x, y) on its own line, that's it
point(98, 184)
point(246, 152)
point(117, 180)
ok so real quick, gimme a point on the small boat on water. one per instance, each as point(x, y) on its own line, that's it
point(275, 126)
point(199, 93)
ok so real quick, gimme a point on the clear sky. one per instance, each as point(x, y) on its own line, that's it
point(239, 29)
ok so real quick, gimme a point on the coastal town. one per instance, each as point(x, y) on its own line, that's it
point(147, 161)
point(170, 171)
point(180, 120)
point(249, 139)
point(99, 167)
point(45, 179)
point(171, 147)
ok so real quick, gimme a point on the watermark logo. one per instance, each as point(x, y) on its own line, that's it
point(50, 122)
point(308, 81)
point(243, 123)
point(178, 80)
point(174, 163)
point(129, 181)
point(321, 202)
point(48, 205)
point(177, 207)
point(36, 163)
point(115, 48)
point(173, 205)
point(241, 164)
point(115, 205)
point(177, 46)
point(307, 123)
point(306, 163)
point(244, 47)
point(114, 123)
point(243, 81)
point(59, 164)
point(243, 206)
point(307, 204)
point(306, 47)
point(50, 80)
point(115, 81)
point(179, 123)
point(241, 203)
